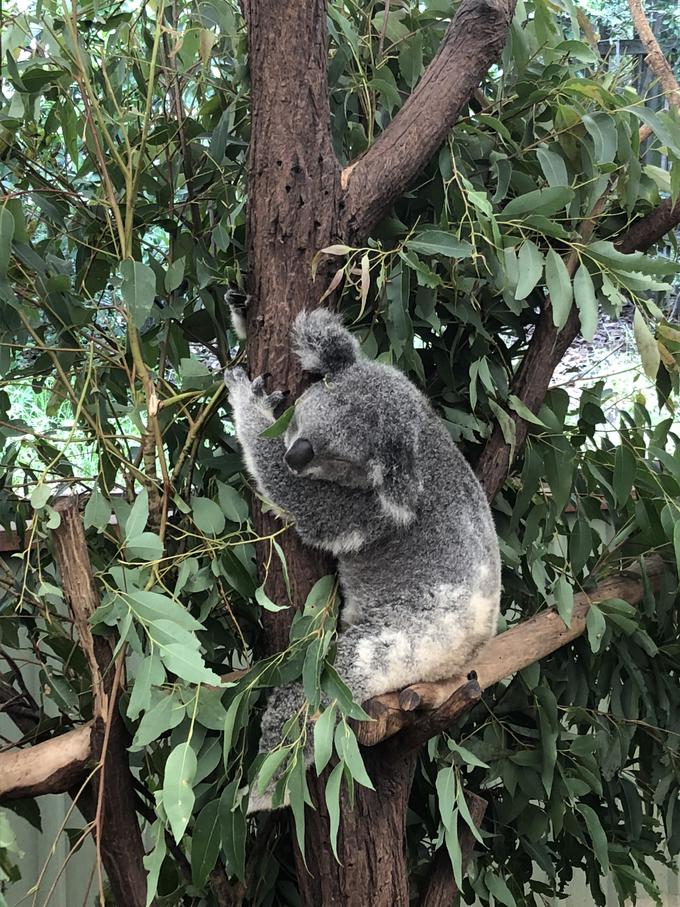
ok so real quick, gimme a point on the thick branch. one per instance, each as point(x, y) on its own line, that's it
point(655, 56)
point(648, 230)
point(52, 767)
point(117, 832)
point(506, 654)
point(472, 43)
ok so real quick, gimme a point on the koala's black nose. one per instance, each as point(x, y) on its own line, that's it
point(299, 454)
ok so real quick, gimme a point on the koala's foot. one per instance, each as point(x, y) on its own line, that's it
point(262, 802)
point(243, 391)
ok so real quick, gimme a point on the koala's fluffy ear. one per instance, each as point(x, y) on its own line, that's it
point(396, 477)
point(322, 344)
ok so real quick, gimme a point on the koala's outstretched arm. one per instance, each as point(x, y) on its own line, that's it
point(253, 411)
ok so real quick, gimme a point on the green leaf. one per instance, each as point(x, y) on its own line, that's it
point(548, 721)
point(138, 290)
point(147, 546)
point(564, 596)
point(270, 765)
point(233, 830)
point(280, 425)
point(558, 284)
point(437, 242)
point(153, 861)
point(40, 496)
point(265, 602)
point(333, 805)
point(178, 794)
point(319, 595)
point(523, 411)
point(553, 167)
point(97, 511)
point(174, 274)
point(231, 726)
point(499, 889)
point(646, 344)
point(453, 847)
point(233, 505)
point(597, 835)
point(187, 664)
point(6, 236)
point(138, 516)
point(207, 516)
point(530, 261)
point(538, 201)
point(165, 715)
point(596, 626)
point(676, 545)
point(602, 129)
point(348, 750)
point(205, 843)
point(625, 465)
point(150, 606)
point(151, 673)
point(324, 728)
point(586, 303)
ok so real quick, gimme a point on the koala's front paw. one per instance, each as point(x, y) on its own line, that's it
point(269, 402)
point(236, 380)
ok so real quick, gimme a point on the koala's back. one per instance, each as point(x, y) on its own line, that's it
point(427, 597)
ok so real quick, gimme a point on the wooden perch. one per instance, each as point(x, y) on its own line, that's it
point(52, 767)
point(506, 654)
point(470, 46)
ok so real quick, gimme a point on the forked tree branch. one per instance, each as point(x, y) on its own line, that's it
point(470, 46)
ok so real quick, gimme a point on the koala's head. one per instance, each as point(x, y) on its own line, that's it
point(358, 424)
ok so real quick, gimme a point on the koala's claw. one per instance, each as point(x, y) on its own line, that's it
point(267, 401)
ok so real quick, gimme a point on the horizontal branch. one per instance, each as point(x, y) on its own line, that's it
point(506, 654)
point(52, 767)
point(471, 44)
point(648, 230)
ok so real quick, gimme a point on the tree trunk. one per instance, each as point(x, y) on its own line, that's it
point(299, 203)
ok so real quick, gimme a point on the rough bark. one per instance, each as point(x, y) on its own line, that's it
point(292, 212)
point(371, 839)
point(441, 889)
point(648, 230)
point(655, 56)
point(117, 829)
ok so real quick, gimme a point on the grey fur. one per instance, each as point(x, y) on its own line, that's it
point(389, 494)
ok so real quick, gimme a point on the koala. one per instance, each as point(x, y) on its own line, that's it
point(368, 472)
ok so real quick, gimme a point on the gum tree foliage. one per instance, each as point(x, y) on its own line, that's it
point(123, 139)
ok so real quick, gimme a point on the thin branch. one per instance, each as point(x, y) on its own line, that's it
point(471, 44)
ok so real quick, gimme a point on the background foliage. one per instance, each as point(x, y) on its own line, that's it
point(123, 137)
